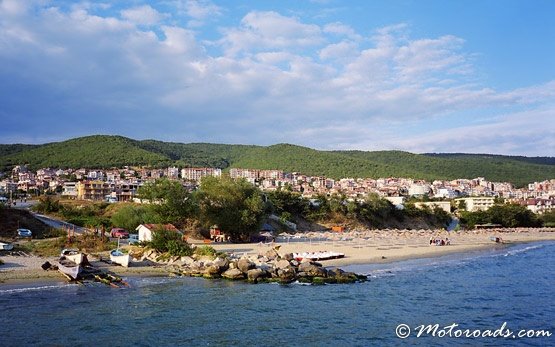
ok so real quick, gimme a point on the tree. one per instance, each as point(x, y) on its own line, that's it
point(236, 206)
point(287, 201)
point(509, 216)
point(170, 241)
point(169, 199)
point(130, 216)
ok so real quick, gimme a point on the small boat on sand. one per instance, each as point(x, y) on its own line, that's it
point(5, 246)
point(118, 257)
point(322, 255)
point(69, 268)
point(73, 254)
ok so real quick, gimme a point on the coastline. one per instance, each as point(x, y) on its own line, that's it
point(383, 247)
point(393, 246)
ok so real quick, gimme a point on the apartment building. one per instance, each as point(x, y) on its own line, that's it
point(197, 173)
point(92, 190)
point(477, 203)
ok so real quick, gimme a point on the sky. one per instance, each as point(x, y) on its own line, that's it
point(470, 76)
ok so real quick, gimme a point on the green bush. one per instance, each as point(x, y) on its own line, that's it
point(205, 251)
point(171, 242)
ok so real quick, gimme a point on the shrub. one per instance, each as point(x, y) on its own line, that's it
point(205, 251)
point(209, 252)
point(170, 242)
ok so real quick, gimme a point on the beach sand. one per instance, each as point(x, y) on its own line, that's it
point(374, 246)
point(27, 269)
point(395, 245)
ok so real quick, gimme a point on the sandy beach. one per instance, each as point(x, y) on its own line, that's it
point(383, 246)
point(367, 247)
point(25, 269)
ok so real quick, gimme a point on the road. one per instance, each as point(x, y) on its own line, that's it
point(51, 222)
point(58, 224)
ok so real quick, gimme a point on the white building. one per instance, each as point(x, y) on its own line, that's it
point(146, 230)
point(477, 203)
point(197, 173)
point(69, 189)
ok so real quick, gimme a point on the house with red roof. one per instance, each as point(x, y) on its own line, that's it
point(146, 230)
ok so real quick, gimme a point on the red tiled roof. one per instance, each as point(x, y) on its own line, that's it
point(170, 227)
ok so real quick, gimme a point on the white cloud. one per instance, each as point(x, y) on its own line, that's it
point(142, 15)
point(198, 10)
point(342, 51)
point(270, 31)
point(276, 79)
point(520, 133)
point(342, 29)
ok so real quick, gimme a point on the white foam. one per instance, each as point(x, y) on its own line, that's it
point(34, 289)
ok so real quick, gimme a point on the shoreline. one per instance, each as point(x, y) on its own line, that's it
point(383, 248)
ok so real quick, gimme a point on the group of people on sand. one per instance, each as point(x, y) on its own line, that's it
point(439, 242)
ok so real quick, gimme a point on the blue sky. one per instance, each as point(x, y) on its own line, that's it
point(421, 76)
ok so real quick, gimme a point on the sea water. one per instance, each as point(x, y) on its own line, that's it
point(503, 287)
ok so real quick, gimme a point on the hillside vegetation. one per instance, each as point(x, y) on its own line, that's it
point(102, 151)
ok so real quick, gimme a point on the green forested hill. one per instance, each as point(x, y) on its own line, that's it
point(89, 151)
point(15, 148)
point(101, 151)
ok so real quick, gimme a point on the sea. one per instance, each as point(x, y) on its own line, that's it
point(497, 297)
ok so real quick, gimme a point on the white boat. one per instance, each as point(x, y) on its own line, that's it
point(118, 257)
point(322, 255)
point(5, 246)
point(73, 254)
point(69, 268)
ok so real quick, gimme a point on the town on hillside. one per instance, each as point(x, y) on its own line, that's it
point(122, 184)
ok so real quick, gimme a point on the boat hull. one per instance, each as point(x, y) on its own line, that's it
point(69, 268)
point(76, 258)
point(120, 258)
point(5, 246)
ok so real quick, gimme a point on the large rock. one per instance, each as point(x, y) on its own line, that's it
point(286, 275)
point(212, 270)
point(245, 265)
point(282, 264)
point(233, 274)
point(222, 263)
point(272, 254)
point(253, 275)
point(313, 270)
point(343, 277)
point(288, 256)
point(186, 260)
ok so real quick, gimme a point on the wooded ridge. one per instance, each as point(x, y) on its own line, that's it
point(105, 151)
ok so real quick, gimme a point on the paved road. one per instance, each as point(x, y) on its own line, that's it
point(51, 222)
point(58, 224)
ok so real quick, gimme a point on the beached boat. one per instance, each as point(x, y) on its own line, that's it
point(322, 255)
point(73, 254)
point(5, 246)
point(69, 268)
point(496, 239)
point(118, 257)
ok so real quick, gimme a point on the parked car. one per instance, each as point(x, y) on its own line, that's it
point(119, 232)
point(24, 233)
point(134, 239)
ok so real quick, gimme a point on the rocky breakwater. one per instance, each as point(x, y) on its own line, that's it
point(270, 267)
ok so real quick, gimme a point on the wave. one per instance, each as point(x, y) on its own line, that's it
point(450, 260)
point(523, 250)
point(35, 289)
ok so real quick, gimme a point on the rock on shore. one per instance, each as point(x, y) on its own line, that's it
point(270, 267)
